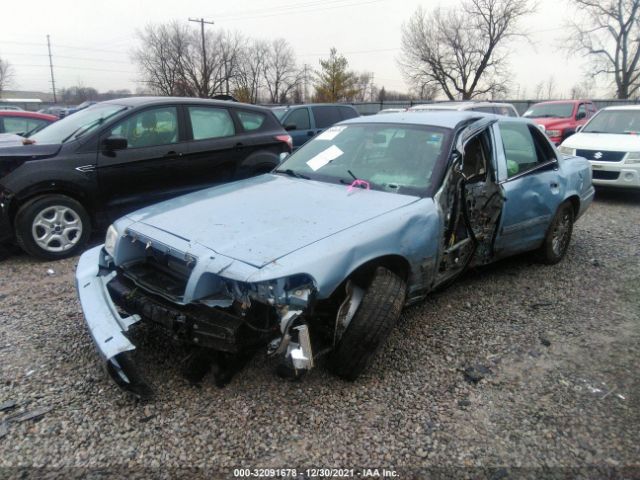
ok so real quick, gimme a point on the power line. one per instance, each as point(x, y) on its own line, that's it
point(233, 19)
point(281, 8)
point(72, 67)
point(71, 57)
point(11, 42)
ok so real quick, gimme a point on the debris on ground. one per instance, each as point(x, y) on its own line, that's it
point(475, 373)
point(8, 405)
point(35, 414)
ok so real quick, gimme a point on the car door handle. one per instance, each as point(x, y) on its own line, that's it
point(239, 146)
point(172, 154)
point(554, 185)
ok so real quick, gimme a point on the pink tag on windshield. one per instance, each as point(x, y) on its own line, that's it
point(359, 183)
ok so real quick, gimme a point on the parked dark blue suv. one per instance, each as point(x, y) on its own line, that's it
point(303, 122)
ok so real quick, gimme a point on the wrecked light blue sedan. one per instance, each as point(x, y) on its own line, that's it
point(318, 257)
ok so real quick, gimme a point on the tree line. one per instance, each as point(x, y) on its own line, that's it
point(176, 60)
point(458, 52)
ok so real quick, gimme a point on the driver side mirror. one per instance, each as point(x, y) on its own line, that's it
point(581, 115)
point(114, 143)
point(290, 126)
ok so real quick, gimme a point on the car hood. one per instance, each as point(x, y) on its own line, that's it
point(10, 140)
point(259, 220)
point(604, 141)
point(550, 123)
point(29, 152)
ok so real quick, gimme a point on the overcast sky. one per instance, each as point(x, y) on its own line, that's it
point(92, 40)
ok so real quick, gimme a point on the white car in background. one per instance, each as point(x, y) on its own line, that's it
point(611, 143)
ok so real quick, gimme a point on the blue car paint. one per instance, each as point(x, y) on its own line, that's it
point(271, 227)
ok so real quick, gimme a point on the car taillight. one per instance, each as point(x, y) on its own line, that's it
point(286, 139)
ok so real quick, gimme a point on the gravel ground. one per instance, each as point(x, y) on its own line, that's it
point(554, 350)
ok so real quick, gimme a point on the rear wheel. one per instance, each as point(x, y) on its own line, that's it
point(376, 316)
point(52, 227)
point(558, 236)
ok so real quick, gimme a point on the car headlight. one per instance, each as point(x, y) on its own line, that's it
point(554, 133)
point(110, 240)
point(567, 150)
point(633, 157)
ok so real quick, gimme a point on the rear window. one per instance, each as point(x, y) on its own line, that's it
point(348, 112)
point(326, 116)
point(208, 122)
point(251, 120)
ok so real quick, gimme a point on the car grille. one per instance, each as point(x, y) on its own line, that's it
point(161, 274)
point(605, 175)
point(601, 155)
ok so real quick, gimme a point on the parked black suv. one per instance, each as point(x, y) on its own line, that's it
point(90, 168)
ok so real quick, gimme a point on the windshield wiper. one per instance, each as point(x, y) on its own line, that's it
point(291, 173)
point(82, 129)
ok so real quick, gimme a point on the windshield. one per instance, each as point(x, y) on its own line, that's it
point(550, 110)
point(394, 158)
point(279, 112)
point(77, 124)
point(615, 121)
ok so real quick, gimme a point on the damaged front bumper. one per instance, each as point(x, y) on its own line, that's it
point(104, 293)
point(105, 324)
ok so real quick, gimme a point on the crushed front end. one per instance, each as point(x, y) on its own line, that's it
point(196, 295)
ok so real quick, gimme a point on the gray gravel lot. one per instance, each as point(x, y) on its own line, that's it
point(558, 349)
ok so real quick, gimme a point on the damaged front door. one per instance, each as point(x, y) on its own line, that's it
point(471, 201)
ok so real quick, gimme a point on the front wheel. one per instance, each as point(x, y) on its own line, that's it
point(52, 227)
point(377, 314)
point(558, 236)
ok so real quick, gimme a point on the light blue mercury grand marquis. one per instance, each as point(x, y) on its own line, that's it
point(318, 257)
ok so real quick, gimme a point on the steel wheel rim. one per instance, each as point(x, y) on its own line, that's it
point(560, 238)
point(56, 228)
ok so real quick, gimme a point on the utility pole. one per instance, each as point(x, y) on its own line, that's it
point(53, 80)
point(205, 74)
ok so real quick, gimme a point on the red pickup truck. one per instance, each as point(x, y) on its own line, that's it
point(559, 119)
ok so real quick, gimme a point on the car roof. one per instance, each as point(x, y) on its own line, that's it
point(443, 118)
point(143, 101)
point(461, 105)
point(25, 114)
point(315, 105)
point(622, 107)
point(561, 101)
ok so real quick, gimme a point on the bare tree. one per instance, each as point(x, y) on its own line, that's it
point(583, 89)
point(461, 51)
point(249, 79)
point(281, 73)
point(6, 74)
point(170, 60)
point(609, 32)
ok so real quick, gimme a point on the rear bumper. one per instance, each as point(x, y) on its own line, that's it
point(105, 324)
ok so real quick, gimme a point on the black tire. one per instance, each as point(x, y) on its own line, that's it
point(558, 237)
point(70, 232)
point(377, 315)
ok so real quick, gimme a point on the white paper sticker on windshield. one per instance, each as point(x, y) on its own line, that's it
point(324, 157)
point(330, 133)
